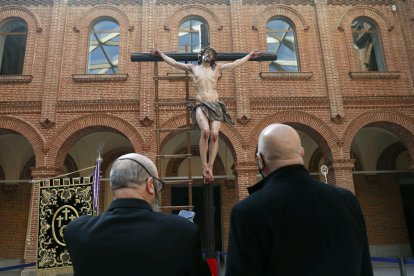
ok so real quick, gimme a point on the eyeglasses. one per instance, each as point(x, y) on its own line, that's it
point(159, 184)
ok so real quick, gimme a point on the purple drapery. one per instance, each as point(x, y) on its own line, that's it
point(96, 183)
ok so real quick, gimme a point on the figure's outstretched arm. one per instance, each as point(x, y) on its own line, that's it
point(238, 62)
point(171, 61)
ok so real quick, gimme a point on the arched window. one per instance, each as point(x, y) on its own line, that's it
point(367, 45)
point(280, 39)
point(13, 36)
point(103, 47)
point(193, 35)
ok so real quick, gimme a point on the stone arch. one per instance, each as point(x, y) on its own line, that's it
point(27, 15)
point(311, 125)
point(174, 164)
point(103, 11)
point(280, 10)
point(68, 135)
point(365, 11)
point(398, 124)
point(196, 10)
point(386, 160)
point(172, 23)
point(29, 132)
point(228, 133)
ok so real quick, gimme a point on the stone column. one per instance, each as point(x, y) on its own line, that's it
point(341, 175)
point(240, 74)
point(57, 30)
point(30, 253)
point(246, 175)
point(328, 53)
point(146, 91)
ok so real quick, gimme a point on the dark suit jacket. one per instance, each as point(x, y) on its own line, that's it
point(295, 225)
point(131, 239)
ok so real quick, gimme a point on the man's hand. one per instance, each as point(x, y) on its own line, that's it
point(254, 54)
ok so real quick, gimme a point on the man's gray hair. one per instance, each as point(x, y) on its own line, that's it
point(125, 173)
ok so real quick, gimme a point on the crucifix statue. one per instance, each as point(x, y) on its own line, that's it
point(209, 112)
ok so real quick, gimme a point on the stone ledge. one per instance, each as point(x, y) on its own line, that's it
point(286, 75)
point(16, 78)
point(374, 75)
point(99, 77)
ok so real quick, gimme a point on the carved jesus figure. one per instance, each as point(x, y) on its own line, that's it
point(209, 112)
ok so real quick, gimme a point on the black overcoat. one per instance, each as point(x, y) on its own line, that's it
point(294, 225)
point(130, 239)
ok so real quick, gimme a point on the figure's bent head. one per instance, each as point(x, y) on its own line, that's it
point(208, 55)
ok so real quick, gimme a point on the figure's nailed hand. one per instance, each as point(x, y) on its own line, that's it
point(255, 54)
point(155, 51)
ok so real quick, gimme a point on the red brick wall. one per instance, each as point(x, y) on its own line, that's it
point(324, 99)
point(380, 200)
point(14, 215)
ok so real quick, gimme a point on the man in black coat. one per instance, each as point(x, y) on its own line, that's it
point(130, 238)
point(292, 224)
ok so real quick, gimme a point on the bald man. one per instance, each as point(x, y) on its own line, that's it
point(130, 238)
point(291, 224)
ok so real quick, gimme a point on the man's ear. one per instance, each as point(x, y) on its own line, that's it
point(149, 186)
point(302, 152)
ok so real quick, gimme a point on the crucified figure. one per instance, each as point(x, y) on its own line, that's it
point(208, 113)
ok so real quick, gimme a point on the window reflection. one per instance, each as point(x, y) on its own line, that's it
point(367, 45)
point(13, 37)
point(104, 47)
point(193, 35)
point(280, 39)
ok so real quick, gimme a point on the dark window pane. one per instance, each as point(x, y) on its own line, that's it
point(104, 40)
point(191, 31)
point(12, 46)
point(280, 39)
point(367, 45)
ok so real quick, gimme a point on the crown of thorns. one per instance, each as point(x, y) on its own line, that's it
point(202, 51)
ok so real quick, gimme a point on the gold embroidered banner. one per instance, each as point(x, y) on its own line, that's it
point(60, 202)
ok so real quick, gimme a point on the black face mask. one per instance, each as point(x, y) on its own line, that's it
point(258, 164)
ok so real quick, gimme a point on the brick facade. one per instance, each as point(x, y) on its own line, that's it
point(54, 103)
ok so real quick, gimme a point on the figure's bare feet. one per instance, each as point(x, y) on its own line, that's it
point(207, 175)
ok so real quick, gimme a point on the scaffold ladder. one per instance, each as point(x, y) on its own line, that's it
point(158, 130)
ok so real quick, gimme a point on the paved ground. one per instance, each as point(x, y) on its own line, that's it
point(380, 269)
point(389, 269)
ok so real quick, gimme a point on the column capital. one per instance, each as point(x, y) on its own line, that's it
point(45, 172)
point(343, 164)
point(246, 167)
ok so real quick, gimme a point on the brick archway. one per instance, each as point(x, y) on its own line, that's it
point(314, 127)
point(229, 135)
point(85, 125)
point(398, 124)
point(29, 132)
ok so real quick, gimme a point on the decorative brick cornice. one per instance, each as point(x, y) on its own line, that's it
point(297, 102)
point(286, 75)
point(374, 75)
point(88, 106)
point(189, 2)
point(356, 2)
point(103, 2)
point(99, 77)
point(27, 2)
point(272, 2)
point(16, 78)
point(377, 101)
point(20, 107)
